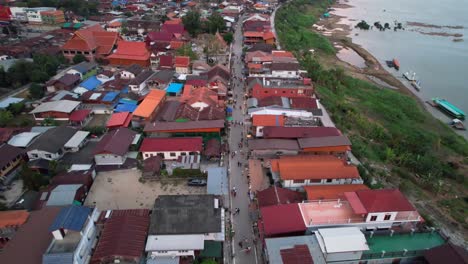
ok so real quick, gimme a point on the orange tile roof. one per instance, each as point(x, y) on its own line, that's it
point(182, 61)
point(254, 66)
point(268, 35)
point(174, 21)
point(13, 218)
point(282, 53)
point(91, 38)
point(253, 34)
point(176, 44)
point(115, 24)
point(131, 50)
point(202, 94)
point(305, 167)
point(335, 191)
point(268, 120)
point(150, 103)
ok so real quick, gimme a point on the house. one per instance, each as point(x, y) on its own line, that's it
point(161, 79)
point(101, 102)
point(60, 110)
point(152, 167)
point(66, 194)
point(138, 85)
point(217, 182)
point(77, 141)
point(10, 222)
point(366, 209)
point(80, 118)
point(331, 192)
point(35, 227)
point(22, 140)
point(299, 132)
point(261, 121)
point(171, 148)
point(278, 87)
point(200, 98)
point(273, 147)
point(294, 249)
point(341, 244)
point(281, 220)
point(93, 42)
point(51, 144)
point(335, 145)
point(83, 69)
point(74, 236)
point(182, 64)
point(218, 74)
point(129, 53)
point(285, 69)
point(66, 82)
point(90, 84)
point(174, 89)
point(114, 26)
point(10, 162)
point(148, 108)
point(118, 120)
point(130, 72)
point(34, 14)
point(78, 176)
point(113, 147)
point(158, 129)
point(212, 150)
point(164, 62)
point(443, 253)
point(122, 228)
point(180, 225)
point(199, 67)
point(276, 195)
point(296, 172)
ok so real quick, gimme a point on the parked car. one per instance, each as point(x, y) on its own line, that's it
point(196, 182)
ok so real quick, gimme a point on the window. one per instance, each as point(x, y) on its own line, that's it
point(329, 180)
point(48, 156)
point(172, 154)
point(34, 155)
point(315, 180)
point(373, 218)
point(387, 217)
point(147, 155)
point(183, 154)
point(298, 181)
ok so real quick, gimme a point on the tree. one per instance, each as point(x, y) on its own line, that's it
point(32, 180)
point(192, 23)
point(5, 118)
point(3, 77)
point(228, 37)
point(49, 121)
point(36, 91)
point(38, 76)
point(186, 50)
point(16, 108)
point(79, 58)
point(215, 23)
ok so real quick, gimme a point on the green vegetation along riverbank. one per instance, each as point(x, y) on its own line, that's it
point(399, 143)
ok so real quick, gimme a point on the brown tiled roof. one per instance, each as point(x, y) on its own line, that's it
point(212, 148)
point(323, 142)
point(299, 254)
point(116, 142)
point(448, 253)
point(174, 126)
point(277, 195)
point(265, 144)
point(299, 132)
point(32, 239)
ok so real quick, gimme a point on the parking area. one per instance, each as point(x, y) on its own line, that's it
point(122, 189)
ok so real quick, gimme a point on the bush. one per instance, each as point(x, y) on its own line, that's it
point(36, 91)
point(189, 173)
point(78, 58)
point(96, 130)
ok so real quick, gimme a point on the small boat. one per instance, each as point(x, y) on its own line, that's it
point(449, 108)
point(410, 76)
point(416, 85)
point(396, 64)
point(458, 124)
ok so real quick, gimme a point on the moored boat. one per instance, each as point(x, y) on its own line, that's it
point(396, 64)
point(410, 76)
point(449, 108)
point(458, 124)
point(416, 85)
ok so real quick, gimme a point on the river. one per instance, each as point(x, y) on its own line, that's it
point(440, 63)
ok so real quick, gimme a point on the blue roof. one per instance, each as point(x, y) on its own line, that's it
point(174, 88)
point(125, 108)
point(109, 97)
point(71, 217)
point(57, 258)
point(91, 83)
point(127, 101)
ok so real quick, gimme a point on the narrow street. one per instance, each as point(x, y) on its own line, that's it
point(242, 223)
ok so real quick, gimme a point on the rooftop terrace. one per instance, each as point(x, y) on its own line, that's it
point(66, 245)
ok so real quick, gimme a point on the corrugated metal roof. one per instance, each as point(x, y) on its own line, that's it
point(341, 240)
point(63, 195)
point(72, 217)
point(76, 140)
point(217, 183)
point(22, 139)
point(59, 258)
point(64, 106)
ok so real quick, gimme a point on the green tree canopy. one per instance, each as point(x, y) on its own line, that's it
point(5, 118)
point(186, 50)
point(228, 37)
point(16, 108)
point(36, 91)
point(192, 23)
point(79, 58)
point(215, 24)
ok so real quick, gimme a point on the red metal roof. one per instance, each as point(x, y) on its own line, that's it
point(182, 61)
point(268, 120)
point(91, 38)
point(165, 61)
point(282, 219)
point(119, 120)
point(353, 199)
point(124, 236)
point(171, 144)
point(387, 200)
point(299, 254)
point(79, 115)
point(277, 195)
point(116, 142)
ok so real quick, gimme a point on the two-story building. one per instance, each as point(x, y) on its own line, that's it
point(33, 14)
point(75, 235)
point(182, 224)
point(139, 85)
point(10, 161)
point(50, 145)
point(171, 148)
point(182, 64)
point(281, 87)
point(149, 107)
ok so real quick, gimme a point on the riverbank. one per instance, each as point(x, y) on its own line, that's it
point(399, 143)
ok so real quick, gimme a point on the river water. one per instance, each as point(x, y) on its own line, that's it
point(440, 63)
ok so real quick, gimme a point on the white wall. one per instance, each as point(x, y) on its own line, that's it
point(174, 245)
point(88, 239)
point(381, 216)
point(292, 185)
point(138, 88)
point(126, 75)
point(343, 256)
point(108, 159)
point(287, 112)
point(43, 154)
point(259, 131)
point(182, 70)
point(167, 155)
point(285, 74)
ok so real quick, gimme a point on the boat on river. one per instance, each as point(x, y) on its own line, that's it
point(457, 124)
point(416, 85)
point(449, 108)
point(393, 64)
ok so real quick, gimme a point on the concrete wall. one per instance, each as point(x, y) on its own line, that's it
point(38, 154)
point(88, 240)
point(381, 216)
point(167, 155)
point(343, 256)
point(285, 74)
point(291, 184)
point(182, 70)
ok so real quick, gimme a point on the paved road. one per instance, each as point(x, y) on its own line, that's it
point(242, 224)
point(272, 22)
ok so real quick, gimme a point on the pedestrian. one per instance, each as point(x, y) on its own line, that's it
point(240, 244)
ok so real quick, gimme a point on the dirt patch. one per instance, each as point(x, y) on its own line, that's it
point(98, 120)
point(121, 189)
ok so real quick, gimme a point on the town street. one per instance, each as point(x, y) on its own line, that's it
point(242, 224)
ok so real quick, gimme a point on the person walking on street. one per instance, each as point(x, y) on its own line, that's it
point(240, 244)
